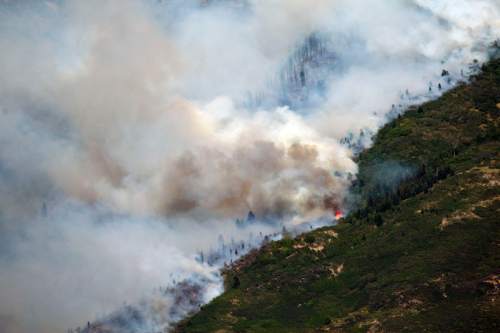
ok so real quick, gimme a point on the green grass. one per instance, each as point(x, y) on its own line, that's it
point(415, 257)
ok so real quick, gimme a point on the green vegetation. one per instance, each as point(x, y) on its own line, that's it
point(422, 254)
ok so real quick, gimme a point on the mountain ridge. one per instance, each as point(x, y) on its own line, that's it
point(420, 252)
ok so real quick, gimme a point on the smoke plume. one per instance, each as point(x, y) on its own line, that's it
point(134, 133)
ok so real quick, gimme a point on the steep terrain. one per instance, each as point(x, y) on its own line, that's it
point(422, 252)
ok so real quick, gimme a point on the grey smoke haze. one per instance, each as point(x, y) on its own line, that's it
point(127, 144)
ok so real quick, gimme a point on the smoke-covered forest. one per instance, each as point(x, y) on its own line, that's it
point(249, 166)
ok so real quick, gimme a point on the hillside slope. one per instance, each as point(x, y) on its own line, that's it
point(422, 254)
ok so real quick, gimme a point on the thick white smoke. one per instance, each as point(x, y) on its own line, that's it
point(128, 144)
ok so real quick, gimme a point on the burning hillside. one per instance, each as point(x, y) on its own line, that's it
point(134, 135)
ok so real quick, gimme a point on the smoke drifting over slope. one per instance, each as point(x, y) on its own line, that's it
point(128, 143)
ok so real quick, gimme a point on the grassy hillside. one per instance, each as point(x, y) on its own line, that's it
point(422, 254)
